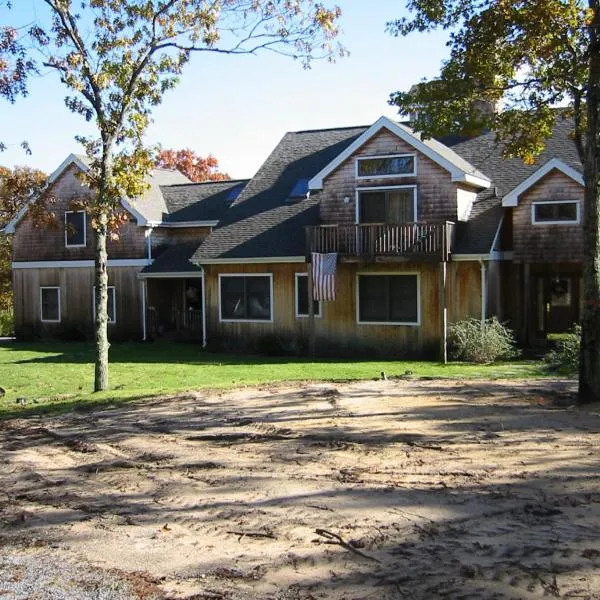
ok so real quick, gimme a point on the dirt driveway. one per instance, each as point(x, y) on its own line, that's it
point(380, 489)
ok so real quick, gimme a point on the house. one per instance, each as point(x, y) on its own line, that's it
point(426, 233)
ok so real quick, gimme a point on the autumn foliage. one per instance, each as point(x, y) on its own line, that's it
point(17, 186)
point(194, 167)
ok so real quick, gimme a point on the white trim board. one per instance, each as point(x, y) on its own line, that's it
point(172, 275)
point(182, 224)
point(254, 260)
point(512, 198)
point(407, 135)
point(79, 264)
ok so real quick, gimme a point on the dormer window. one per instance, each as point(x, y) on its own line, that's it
point(395, 165)
point(75, 225)
point(300, 190)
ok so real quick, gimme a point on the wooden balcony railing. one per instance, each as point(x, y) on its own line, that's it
point(367, 241)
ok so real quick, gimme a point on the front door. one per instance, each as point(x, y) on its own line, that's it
point(557, 303)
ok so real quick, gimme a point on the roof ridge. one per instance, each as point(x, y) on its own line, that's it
point(331, 129)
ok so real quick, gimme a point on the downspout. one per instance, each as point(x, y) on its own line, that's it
point(483, 293)
point(203, 279)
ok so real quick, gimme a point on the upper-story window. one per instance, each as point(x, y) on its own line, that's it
point(387, 205)
point(395, 165)
point(553, 212)
point(75, 234)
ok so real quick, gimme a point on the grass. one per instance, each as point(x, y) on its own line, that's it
point(55, 376)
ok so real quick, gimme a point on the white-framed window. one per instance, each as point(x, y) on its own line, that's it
point(111, 305)
point(50, 304)
point(392, 165)
point(390, 204)
point(75, 229)
point(556, 212)
point(246, 297)
point(301, 293)
point(388, 299)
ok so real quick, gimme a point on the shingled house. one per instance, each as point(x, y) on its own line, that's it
point(426, 233)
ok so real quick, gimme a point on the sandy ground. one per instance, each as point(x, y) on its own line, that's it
point(380, 489)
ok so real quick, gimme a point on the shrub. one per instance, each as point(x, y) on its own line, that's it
point(7, 322)
point(564, 357)
point(469, 342)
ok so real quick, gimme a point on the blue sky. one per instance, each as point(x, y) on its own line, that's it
point(238, 107)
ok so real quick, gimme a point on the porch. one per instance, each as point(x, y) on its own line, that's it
point(372, 242)
point(174, 308)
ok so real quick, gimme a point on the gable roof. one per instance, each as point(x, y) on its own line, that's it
point(512, 198)
point(459, 168)
point(507, 174)
point(171, 197)
point(262, 221)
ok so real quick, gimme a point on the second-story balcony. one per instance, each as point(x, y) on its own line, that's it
point(370, 241)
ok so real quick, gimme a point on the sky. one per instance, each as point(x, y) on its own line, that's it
point(238, 107)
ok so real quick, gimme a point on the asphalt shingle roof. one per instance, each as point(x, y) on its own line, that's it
point(174, 259)
point(200, 201)
point(477, 235)
point(263, 221)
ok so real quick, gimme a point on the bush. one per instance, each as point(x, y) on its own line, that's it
point(470, 343)
point(564, 358)
point(7, 322)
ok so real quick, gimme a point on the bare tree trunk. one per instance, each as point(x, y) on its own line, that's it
point(589, 373)
point(101, 303)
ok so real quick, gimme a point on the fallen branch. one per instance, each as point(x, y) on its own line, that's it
point(257, 534)
point(336, 539)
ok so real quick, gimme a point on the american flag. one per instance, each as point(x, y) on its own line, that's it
point(323, 271)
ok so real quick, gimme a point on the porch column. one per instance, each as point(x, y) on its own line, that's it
point(144, 295)
point(444, 311)
point(526, 302)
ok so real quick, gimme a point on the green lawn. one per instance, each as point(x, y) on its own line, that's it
point(55, 376)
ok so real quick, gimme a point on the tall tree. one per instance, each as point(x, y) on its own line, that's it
point(118, 58)
point(193, 166)
point(17, 187)
point(529, 56)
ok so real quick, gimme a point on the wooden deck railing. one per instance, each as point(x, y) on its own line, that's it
point(369, 240)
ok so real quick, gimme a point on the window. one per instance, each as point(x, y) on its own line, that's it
point(388, 299)
point(300, 190)
point(50, 304)
point(387, 205)
point(112, 304)
point(397, 165)
point(302, 297)
point(75, 235)
point(555, 212)
point(246, 297)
